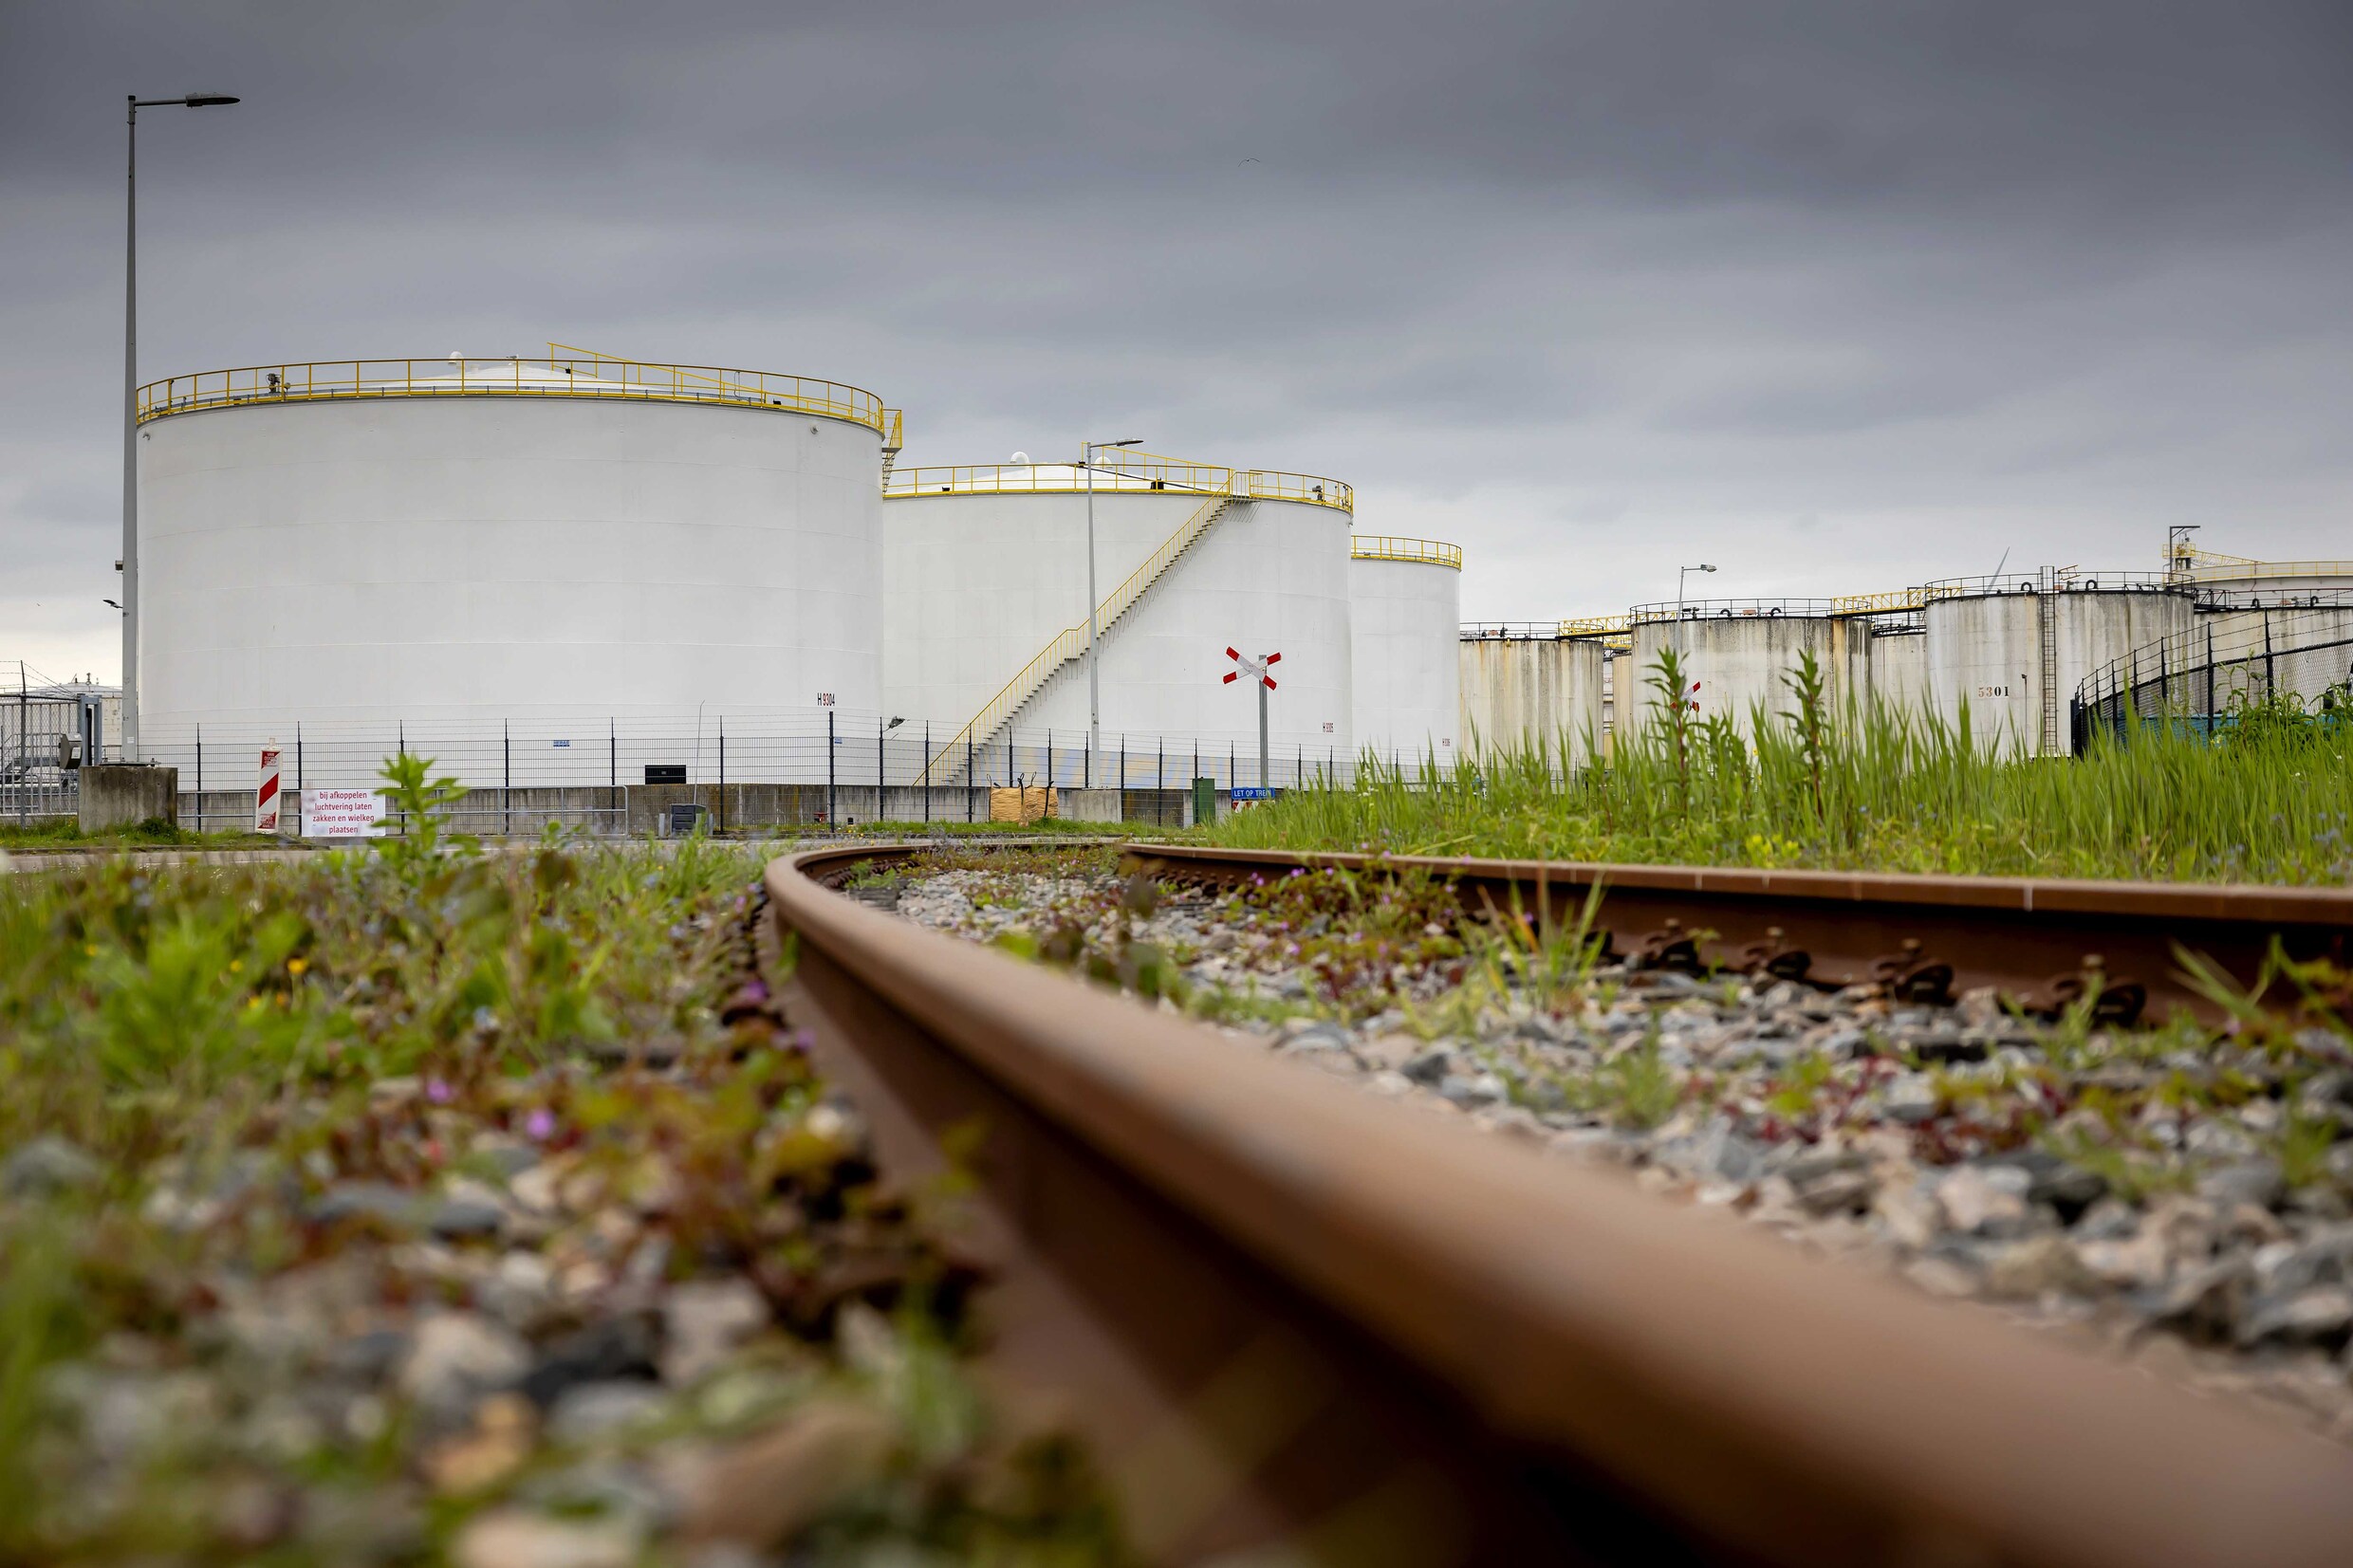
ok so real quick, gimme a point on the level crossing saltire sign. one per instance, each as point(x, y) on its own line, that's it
point(266, 793)
point(343, 813)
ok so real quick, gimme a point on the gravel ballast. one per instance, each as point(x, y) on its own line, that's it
point(2176, 1196)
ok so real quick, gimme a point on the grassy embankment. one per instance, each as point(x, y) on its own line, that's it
point(2268, 799)
point(342, 1200)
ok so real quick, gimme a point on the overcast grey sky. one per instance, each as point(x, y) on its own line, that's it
point(1837, 296)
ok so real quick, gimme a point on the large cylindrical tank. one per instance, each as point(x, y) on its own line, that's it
point(2264, 583)
point(430, 540)
point(2013, 658)
point(1737, 658)
point(1404, 614)
point(986, 573)
point(1896, 667)
point(1523, 690)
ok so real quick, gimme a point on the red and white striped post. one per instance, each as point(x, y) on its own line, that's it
point(1257, 670)
point(265, 792)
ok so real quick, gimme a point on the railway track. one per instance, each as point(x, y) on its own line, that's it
point(1294, 1320)
point(2043, 943)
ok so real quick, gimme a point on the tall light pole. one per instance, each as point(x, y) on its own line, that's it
point(1681, 573)
point(1094, 687)
point(130, 410)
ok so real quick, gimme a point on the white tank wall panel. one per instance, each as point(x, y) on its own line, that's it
point(1987, 652)
point(1739, 662)
point(1520, 691)
point(1898, 671)
point(976, 584)
point(1405, 620)
point(1272, 577)
point(478, 557)
point(1984, 658)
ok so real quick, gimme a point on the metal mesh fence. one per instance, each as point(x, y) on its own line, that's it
point(2192, 681)
point(623, 774)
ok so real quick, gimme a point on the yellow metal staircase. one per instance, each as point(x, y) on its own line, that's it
point(1071, 645)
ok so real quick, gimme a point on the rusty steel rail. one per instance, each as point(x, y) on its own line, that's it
point(1294, 1318)
point(2041, 942)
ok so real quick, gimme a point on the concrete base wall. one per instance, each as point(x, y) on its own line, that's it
point(115, 795)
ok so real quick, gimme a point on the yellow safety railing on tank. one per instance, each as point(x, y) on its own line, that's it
point(1122, 472)
point(1427, 552)
point(565, 373)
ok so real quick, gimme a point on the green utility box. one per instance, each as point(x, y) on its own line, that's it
point(1204, 801)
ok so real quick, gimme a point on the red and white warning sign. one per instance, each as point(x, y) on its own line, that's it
point(266, 793)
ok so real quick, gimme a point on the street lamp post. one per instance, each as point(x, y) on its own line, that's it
point(1680, 573)
point(130, 408)
point(1094, 687)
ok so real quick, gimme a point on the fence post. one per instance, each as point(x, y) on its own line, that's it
point(722, 811)
point(927, 770)
point(2268, 673)
point(880, 728)
point(831, 821)
point(1159, 765)
point(505, 780)
point(971, 780)
point(199, 778)
point(299, 791)
point(612, 769)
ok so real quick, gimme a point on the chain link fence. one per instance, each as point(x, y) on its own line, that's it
point(628, 774)
point(2194, 680)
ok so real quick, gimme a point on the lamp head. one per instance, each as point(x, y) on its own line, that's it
point(207, 101)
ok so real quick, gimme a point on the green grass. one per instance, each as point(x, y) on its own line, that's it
point(184, 1032)
point(154, 833)
point(1881, 788)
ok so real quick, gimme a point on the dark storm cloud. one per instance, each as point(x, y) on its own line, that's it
point(1840, 296)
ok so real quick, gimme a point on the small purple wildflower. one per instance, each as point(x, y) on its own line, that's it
point(438, 1092)
point(539, 1125)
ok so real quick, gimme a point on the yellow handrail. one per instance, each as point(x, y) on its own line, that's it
point(1069, 643)
point(1057, 478)
point(563, 374)
point(1123, 471)
point(1863, 604)
point(1427, 552)
point(1594, 626)
point(2253, 569)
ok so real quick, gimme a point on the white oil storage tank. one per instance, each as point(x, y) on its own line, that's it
point(1738, 656)
point(2014, 649)
point(1532, 686)
point(1404, 611)
point(987, 576)
point(468, 538)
